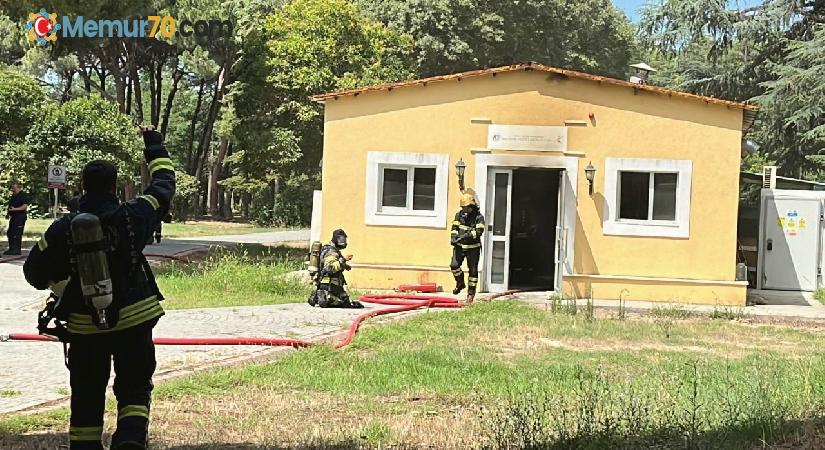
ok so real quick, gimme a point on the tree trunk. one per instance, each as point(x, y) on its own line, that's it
point(214, 108)
point(227, 204)
point(128, 109)
point(158, 93)
point(190, 161)
point(134, 77)
point(171, 98)
point(67, 92)
point(87, 83)
point(215, 176)
point(153, 106)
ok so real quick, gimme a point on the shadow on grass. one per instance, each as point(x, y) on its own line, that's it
point(54, 441)
point(808, 434)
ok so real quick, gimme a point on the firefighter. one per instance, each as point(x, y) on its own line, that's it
point(331, 291)
point(465, 237)
point(16, 213)
point(118, 330)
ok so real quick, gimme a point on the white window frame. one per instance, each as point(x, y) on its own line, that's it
point(408, 209)
point(678, 228)
point(375, 214)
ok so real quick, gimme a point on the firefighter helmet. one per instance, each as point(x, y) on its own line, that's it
point(468, 197)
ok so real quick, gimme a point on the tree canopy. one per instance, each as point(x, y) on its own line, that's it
point(770, 54)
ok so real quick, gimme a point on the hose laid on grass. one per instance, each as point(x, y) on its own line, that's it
point(400, 302)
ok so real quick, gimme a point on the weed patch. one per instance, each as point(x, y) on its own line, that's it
point(245, 275)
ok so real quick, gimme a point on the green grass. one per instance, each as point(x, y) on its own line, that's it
point(245, 275)
point(670, 311)
point(12, 424)
point(533, 379)
point(8, 393)
point(705, 367)
point(819, 295)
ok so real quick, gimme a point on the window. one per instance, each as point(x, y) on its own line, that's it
point(647, 197)
point(406, 189)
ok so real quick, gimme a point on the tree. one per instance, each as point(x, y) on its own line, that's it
point(306, 48)
point(766, 53)
point(21, 107)
point(21, 101)
point(457, 35)
point(82, 130)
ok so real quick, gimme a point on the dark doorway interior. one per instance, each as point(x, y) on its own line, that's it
point(533, 228)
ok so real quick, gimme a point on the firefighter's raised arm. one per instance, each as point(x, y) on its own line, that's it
point(157, 197)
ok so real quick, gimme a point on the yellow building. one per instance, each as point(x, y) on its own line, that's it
point(659, 224)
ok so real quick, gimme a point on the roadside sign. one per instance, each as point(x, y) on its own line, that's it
point(57, 177)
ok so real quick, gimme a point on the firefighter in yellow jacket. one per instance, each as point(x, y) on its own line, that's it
point(331, 291)
point(465, 237)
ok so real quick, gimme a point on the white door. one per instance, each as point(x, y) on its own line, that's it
point(497, 250)
point(791, 243)
point(561, 237)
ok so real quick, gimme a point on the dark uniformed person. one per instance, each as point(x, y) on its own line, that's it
point(126, 338)
point(331, 291)
point(74, 202)
point(16, 213)
point(465, 237)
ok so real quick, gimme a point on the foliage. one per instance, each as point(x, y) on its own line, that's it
point(456, 35)
point(186, 193)
point(21, 100)
point(82, 130)
point(248, 275)
point(308, 47)
point(768, 53)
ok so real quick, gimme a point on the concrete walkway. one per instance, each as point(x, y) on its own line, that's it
point(776, 305)
point(178, 246)
point(33, 373)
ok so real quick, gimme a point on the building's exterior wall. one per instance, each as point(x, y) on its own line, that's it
point(625, 123)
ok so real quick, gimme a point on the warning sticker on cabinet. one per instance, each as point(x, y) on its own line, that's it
point(792, 223)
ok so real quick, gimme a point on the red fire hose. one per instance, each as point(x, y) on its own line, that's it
point(401, 303)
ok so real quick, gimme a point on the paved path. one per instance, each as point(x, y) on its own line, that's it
point(33, 373)
point(174, 246)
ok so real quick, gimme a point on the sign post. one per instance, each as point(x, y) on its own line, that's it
point(57, 180)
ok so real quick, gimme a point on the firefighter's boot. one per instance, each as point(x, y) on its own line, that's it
point(459, 286)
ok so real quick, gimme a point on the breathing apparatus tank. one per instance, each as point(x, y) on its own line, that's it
point(314, 258)
point(92, 266)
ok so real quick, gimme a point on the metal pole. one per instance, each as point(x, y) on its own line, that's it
point(54, 215)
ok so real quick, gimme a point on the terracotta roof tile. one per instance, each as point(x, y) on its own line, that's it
point(541, 68)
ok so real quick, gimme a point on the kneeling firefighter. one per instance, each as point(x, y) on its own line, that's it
point(465, 237)
point(105, 301)
point(329, 278)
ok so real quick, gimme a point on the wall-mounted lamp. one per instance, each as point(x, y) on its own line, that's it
point(460, 167)
point(590, 174)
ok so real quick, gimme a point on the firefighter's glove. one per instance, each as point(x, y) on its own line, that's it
point(153, 141)
point(454, 240)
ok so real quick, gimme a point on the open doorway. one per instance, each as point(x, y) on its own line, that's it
point(533, 219)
